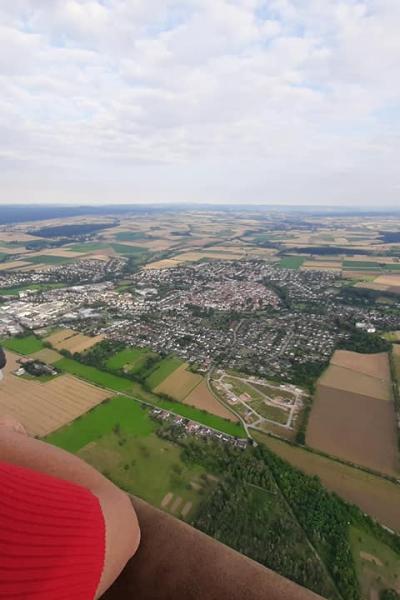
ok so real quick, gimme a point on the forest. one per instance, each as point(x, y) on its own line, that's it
point(284, 519)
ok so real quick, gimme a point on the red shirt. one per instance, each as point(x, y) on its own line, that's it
point(52, 537)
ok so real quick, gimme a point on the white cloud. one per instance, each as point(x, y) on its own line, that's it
point(214, 100)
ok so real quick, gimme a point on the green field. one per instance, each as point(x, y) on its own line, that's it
point(164, 368)
point(129, 250)
point(117, 437)
point(34, 286)
point(23, 345)
point(147, 466)
point(133, 359)
point(47, 259)
point(121, 411)
point(392, 267)
point(291, 262)
point(89, 247)
point(120, 384)
point(107, 380)
point(130, 236)
point(360, 265)
point(377, 565)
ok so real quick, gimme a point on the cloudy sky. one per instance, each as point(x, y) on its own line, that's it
point(276, 101)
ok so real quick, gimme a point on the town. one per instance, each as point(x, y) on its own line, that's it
point(247, 315)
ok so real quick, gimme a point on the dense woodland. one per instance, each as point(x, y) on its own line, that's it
point(272, 512)
point(71, 230)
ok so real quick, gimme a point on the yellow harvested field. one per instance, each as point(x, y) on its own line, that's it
point(179, 384)
point(12, 250)
point(347, 380)
point(390, 280)
point(56, 252)
point(16, 236)
point(371, 285)
point(202, 398)
point(194, 256)
point(375, 365)
point(323, 264)
point(78, 343)
point(13, 264)
point(45, 407)
point(47, 355)
point(167, 263)
point(149, 244)
point(59, 336)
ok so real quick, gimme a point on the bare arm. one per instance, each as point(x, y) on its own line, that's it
point(122, 529)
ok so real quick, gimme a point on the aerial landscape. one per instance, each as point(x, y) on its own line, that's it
point(178, 350)
point(200, 299)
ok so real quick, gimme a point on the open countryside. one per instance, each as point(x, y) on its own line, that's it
point(45, 407)
point(231, 339)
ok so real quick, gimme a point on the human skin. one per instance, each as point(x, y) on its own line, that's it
point(121, 524)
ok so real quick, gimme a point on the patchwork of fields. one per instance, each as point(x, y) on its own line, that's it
point(353, 416)
point(45, 407)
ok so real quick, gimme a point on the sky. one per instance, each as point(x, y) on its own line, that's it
point(214, 101)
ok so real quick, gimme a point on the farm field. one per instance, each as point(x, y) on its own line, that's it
point(179, 384)
point(48, 259)
point(166, 263)
point(118, 438)
point(202, 398)
point(23, 345)
point(67, 339)
point(47, 355)
point(120, 384)
point(349, 380)
point(375, 495)
point(150, 468)
point(89, 247)
point(353, 415)
point(102, 378)
point(377, 565)
point(119, 411)
point(59, 335)
point(13, 264)
point(291, 262)
point(45, 407)
point(131, 360)
point(162, 370)
point(375, 365)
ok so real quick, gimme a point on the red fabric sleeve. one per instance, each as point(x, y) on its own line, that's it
point(52, 537)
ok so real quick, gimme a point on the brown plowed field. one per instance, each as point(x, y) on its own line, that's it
point(354, 427)
point(375, 365)
point(201, 398)
point(348, 380)
point(45, 407)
